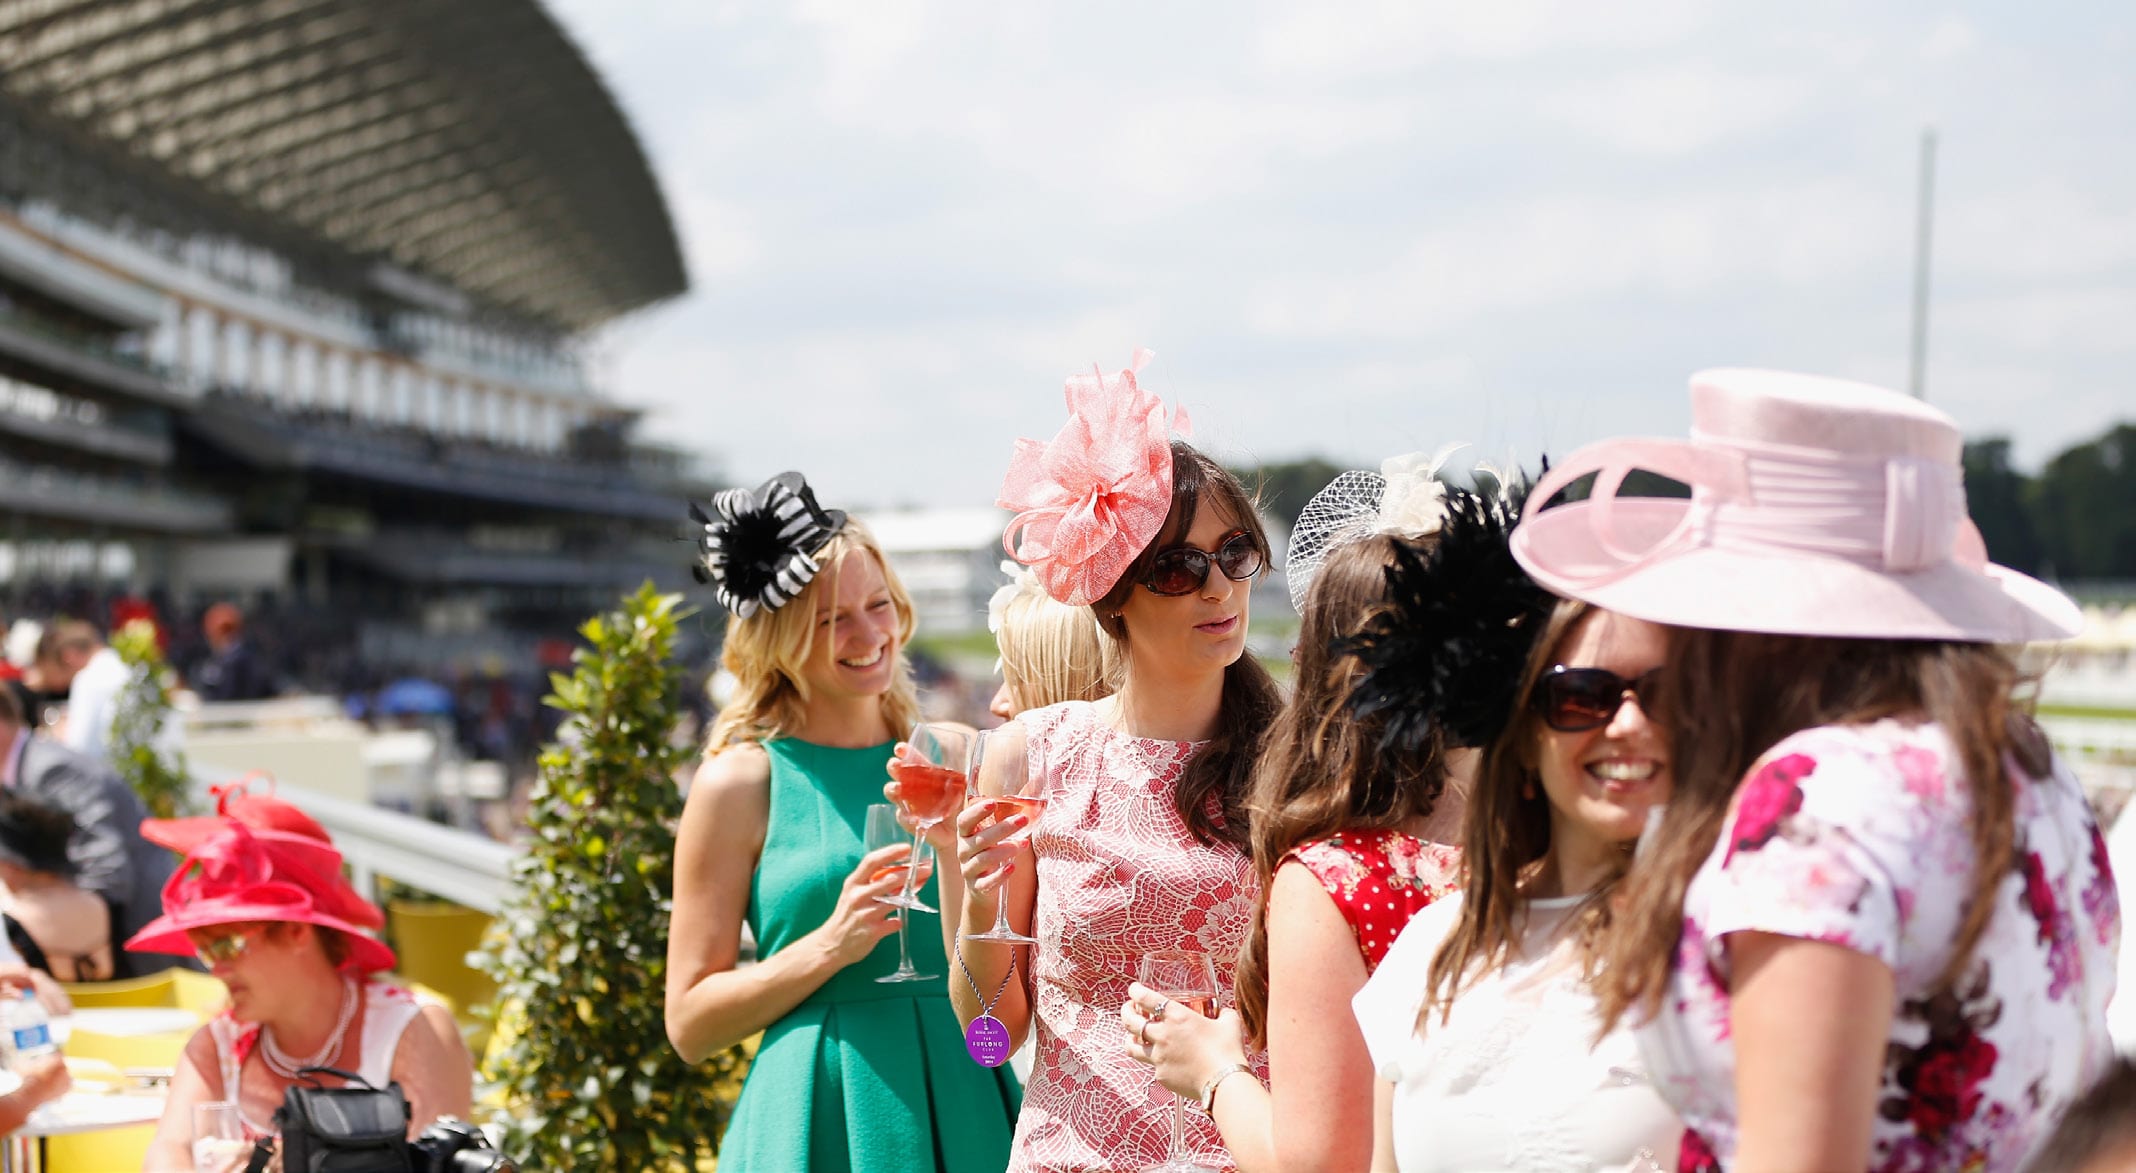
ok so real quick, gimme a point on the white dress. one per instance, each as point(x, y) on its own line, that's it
point(1512, 1079)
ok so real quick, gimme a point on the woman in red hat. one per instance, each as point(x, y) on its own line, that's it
point(270, 915)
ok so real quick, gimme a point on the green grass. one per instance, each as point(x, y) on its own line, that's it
point(2102, 712)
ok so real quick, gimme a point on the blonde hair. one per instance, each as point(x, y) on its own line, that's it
point(1051, 652)
point(768, 652)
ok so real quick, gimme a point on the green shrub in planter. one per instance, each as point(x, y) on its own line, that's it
point(155, 771)
point(583, 1070)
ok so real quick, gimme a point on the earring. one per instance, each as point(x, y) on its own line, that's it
point(1527, 790)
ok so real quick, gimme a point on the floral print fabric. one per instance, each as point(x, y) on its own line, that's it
point(1379, 878)
point(1861, 836)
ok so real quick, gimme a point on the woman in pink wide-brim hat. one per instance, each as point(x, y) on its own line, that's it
point(270, 915)
point(1875, 927)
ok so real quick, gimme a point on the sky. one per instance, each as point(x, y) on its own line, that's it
point(1351, 230)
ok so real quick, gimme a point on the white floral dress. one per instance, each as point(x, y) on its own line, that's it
point(1860, 836)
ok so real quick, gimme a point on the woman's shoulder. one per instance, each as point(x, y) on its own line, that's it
point(1869, 763)
point(1409, 958)
point(743, 766)
point(1056, 724)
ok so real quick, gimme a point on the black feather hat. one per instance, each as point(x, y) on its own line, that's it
point(1461, 618)
point(758, 546)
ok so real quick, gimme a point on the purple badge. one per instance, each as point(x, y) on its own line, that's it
point(988, 1041)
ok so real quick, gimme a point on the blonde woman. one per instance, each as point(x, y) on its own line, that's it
point(1050, 652)
point(851, 1074)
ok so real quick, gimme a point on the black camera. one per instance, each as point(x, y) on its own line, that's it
point(358, 1128)
point(455, 1146)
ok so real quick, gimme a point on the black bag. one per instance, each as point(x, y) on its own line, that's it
point(352, 1129)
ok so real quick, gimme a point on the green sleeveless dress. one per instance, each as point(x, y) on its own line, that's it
point(863, 1076)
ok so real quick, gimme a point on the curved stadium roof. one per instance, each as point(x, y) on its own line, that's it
point(465, 140)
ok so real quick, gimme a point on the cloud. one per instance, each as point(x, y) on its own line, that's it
point(1560, 250)
point(1389, 36)
point(1676, 111)
point(1953, 36)
point(1355, 228)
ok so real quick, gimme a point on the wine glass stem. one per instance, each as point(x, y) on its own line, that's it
point(1001, 906)
point(919, 843)
point(1179, 1128)
point(904, 956)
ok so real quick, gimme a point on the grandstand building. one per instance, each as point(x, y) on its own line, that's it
point(293, 298)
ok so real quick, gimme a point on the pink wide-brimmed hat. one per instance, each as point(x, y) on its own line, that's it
point(269, 818)
point(1818, 507)
point(236, 876)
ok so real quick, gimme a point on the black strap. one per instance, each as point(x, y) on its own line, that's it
point(262, 1155)
point(348, 1077)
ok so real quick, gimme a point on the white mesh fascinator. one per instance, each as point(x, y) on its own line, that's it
point(1405, 497)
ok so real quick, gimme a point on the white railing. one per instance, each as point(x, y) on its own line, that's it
point(461, 866)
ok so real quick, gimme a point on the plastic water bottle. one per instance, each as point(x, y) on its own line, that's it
point(29, 1029)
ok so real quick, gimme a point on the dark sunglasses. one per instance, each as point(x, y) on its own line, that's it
point(1575, 700)
point(1180, 570)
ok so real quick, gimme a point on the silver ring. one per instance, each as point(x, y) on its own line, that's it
point(1163, 1004)
point(1143, 1035)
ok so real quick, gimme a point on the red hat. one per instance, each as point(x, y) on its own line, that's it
point(271, 818)
point(237, 876)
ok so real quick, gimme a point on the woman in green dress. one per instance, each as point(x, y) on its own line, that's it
point(852, 1073)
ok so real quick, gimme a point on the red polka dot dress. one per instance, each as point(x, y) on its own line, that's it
point(1379, 878)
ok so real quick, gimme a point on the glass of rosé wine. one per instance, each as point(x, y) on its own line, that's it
point(930, 772)
point(1186, 979)
point(1001, 778)
point(885, 831)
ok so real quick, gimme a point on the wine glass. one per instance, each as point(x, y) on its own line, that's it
point(1001, 777)
point(885, 831)
point(219, 1137)
point(1187, 979)
point(930, 786)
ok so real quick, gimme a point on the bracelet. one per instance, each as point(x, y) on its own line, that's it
point(1208, 1092)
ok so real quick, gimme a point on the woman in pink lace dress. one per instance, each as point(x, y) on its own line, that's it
point(1352, 829)
point(1141, 846)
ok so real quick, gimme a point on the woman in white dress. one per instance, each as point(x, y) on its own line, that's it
point(1480, 1021)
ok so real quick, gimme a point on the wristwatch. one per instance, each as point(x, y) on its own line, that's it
point(1208, 1090)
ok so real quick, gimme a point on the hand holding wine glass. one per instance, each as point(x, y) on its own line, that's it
point(1002, 781)
point(219, 1144)
point(1185, 981)
point(860, 920)
point(930, 771)
point(885, 831)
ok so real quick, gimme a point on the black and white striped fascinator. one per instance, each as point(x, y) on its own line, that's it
point(757, 547)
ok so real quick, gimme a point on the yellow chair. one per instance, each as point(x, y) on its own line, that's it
point(157, 989)
point(198, 992)
point(88, 1053)
point(161, 1049)
point(433, 940)
point(112, 1150)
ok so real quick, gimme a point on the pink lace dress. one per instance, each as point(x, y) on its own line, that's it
point(1118, 877)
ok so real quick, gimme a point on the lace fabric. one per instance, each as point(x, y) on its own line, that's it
point(1118, 877)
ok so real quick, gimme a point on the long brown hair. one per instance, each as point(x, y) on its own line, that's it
point(1505, 833)
point(1222, 772)
point(1754, 690)
point(768, 652)
point(1322, 770)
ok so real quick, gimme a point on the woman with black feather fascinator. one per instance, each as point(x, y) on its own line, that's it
point(1349, 839)
point(772, 836)
point(1481, 1022)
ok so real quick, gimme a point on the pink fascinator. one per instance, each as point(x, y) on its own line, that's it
point(1094, 497)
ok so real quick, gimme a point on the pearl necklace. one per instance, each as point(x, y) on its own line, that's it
point(279, 1061)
